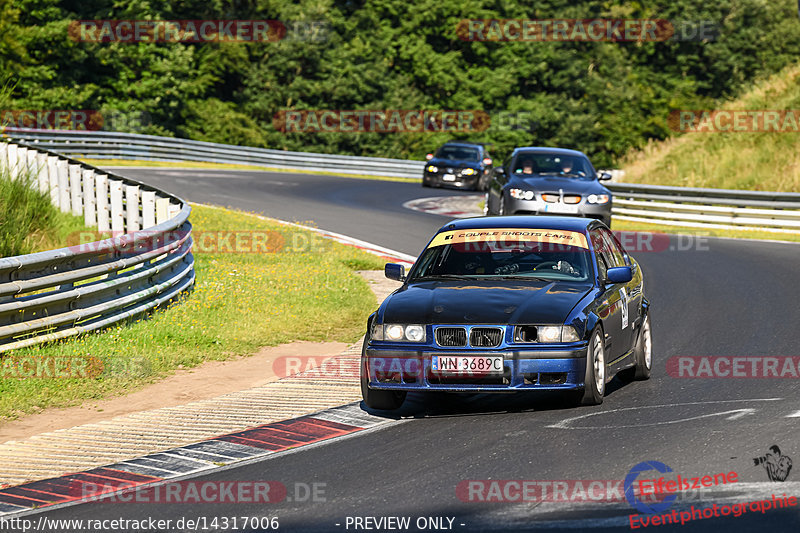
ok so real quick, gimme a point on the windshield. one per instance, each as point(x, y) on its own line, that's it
point(536, 163)
point(500, 253)
point(458, 153)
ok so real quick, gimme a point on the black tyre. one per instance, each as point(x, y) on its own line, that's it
point(595, 380)
point(643, 355)
point(386, 400)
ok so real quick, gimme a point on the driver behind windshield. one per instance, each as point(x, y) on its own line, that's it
point(567, 166)
point(549, 164)
point(527, 166)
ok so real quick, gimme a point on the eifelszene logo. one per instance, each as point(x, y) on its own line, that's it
point(630, 484)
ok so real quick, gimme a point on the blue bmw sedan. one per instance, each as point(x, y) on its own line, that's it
point(500, 304)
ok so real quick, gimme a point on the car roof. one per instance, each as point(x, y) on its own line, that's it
point(464, 143)
point(522, 221)
point(543, 150)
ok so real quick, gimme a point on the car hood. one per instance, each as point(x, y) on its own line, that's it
point(570, 185)
point(454, 163)
point(483, 302)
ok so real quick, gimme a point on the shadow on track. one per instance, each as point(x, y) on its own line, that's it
point(448, 404)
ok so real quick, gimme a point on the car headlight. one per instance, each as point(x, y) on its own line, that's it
point(398, 332)
point(415, 333)
point(545, 334)
point(432, 168)
point(598, 198)
point(521, 194)
point(468, 172)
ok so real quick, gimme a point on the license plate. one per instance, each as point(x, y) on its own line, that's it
point(449, 177)
point(467, 364)
point(561, 208)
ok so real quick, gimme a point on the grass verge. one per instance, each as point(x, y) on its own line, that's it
point(629, 225)
point(28, 220)
point(761, 161)
point(107, 163)
point(241, 302)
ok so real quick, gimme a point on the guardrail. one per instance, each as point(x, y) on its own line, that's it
point(676, 206)
point(58, 293)
point(112, 145)
point(707, 208)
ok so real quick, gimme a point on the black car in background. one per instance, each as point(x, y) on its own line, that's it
point(549, 181)
point(458, 164)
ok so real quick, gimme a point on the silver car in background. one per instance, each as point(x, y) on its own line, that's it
point(549, 181)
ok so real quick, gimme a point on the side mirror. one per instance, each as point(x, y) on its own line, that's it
point(604, 176)
point(617, 274)
point(499, 170)
point(395, 271)
point(428, 157)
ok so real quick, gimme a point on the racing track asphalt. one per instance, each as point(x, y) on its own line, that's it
point(718, 297)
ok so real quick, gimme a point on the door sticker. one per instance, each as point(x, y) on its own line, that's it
point(623, 298)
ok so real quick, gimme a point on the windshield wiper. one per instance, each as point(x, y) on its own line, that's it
point(523, 277)
point(574, 174)
point(444, 276)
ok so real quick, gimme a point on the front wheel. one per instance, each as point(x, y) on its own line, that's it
point(386, 400)
point(595, 379)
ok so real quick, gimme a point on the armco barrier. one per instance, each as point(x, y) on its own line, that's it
point(112, 145)
point(707, 208)
point(676, 206)
point(54, 294)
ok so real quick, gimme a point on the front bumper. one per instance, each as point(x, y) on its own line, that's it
point(515, 206)
point(460, 182)
point(524, 368)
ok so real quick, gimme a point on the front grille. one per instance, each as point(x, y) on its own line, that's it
point(451, 336)
point(572, 199)
point(551, 197)
point(485, 337)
